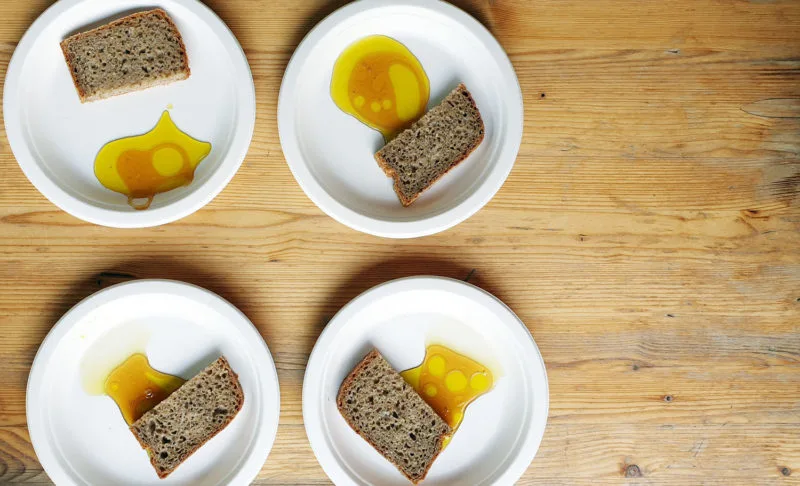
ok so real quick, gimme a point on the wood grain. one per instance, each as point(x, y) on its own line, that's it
point(649, 236)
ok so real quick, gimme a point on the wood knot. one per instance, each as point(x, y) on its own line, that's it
point(668, 398)
point(635, 367)
point(786, 471)
point(633, 471)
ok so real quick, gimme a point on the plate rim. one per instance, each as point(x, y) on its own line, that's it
point(425, 226)
point(319, 442)
point(89, 212)
point(247, 468)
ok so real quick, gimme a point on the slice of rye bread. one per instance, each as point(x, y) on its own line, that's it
point(436, 143)
point(194, 413)
point(136, 52)
point(386, 411)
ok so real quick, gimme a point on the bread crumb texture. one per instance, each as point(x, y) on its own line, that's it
point(436, 143)
point(381, 407)
point(135, 52)
point(191, 416)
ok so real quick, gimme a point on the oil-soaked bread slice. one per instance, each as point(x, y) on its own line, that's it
point(383, 409)
point(135, 52)
point(436, 143)
point(190, 417)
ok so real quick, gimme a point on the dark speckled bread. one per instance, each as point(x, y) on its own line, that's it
point(194, 413)
point(436, 143)
point(386, 411)
point(135, 52)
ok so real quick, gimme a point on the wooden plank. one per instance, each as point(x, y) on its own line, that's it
point(649, 236)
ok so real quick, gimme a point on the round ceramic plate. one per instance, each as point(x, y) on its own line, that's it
point(55, 137)
point(501, 430)
point(331, 153)
point(81, 438)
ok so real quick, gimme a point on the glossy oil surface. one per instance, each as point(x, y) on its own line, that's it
point(142, 166)
point(449, 382)
point(381, 83)
point(137, 387)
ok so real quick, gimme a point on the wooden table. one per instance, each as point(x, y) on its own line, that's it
point(649, 236)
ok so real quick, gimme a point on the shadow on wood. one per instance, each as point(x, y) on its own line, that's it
point(407, 266)
point(153, 269)
point(305, 27)
point(309, 23)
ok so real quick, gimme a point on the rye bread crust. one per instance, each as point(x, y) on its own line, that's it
point(390, 172)
point(239, 394)
point(103, 94)
point(347, 384)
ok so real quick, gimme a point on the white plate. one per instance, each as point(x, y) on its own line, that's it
point(81, 439)
point(501, 431)
point(330, 153)
point(55, 138)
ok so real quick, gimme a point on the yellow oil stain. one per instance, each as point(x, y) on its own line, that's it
point(449, 382)
point(144, 165)
point(137, 387)
point(381, 83)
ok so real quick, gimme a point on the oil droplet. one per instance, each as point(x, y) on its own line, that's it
point(144, 165)
point(456, 379)
point(380, 69)
point(404, 78)
point(479, 382)
point(136, 387)
point(167, 161)
point(436, 365)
